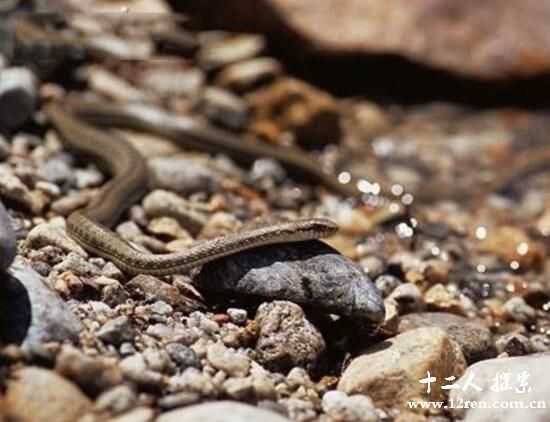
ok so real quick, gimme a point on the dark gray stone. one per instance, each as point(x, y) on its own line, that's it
point(475, 340)
point(17, 96)
point(310, 273)
point(7, 240)
point(31, 313)
point(182, 356)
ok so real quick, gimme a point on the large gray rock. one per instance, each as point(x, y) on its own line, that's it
point(39, 395)
point(390, 372)
point(7, 240)
point(309, 273)
point(31, 313)
point(447, 34)
point(475, 340)
point(500, 381)
point(222, 411)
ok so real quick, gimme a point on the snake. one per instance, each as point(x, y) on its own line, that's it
point(91, 226)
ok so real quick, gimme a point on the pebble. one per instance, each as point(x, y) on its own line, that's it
point(116, 400)
point(387, 283)
point(57, 170)
point(221, 411)
point(227, 50)
point(93, 374)
point(389, 372)
point(46, 234)
point(474, 339)
point(247, 75)
point(39, 395)
point(183, 356)
point(512, 344)
point(168, 204)
point(310, 114)
point(286, 338)
point(67, 204)
point(182, 175)
point(309, 273)
point(227, 360)
point(11, 187)
point(519, 311)
point(76, 264)
point(171, 81)
point(490, 377)
point(343, 408)
point(237, 316)
point(18, 94)
point(32, 313)
point(224, 108)
point(408, 296)
point(150, 288)
point(116, 331)
point(168, 228)
point(139, 414)
point(135, 369)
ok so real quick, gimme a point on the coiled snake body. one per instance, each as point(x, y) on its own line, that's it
point(90, 227)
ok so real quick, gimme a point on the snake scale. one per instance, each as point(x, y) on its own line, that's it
point(91, 226)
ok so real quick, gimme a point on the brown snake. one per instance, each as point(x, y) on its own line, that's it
point(89, 227)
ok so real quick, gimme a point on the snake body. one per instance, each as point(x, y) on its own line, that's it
point(90, 227)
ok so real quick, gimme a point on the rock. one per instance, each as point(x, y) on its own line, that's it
point(387, 283)
point(182, 356)
point(222, 411)
point(8, 246)
point(519, 311)
point(408, 296)
point(12, 188)
point(139, 414)
point(389, 372)
point(149, 288)
point(182, 175)
point(17, 96)
point(171, 80)
point(511, 244)
point(443, 34)
point(474, 339)
point(116, 400)
point(161, 203)
point(297, 107)
point(93, 374)
point(513, 344)
point(135, 369)
point(224, 108)
point(343, 408)
point(237, 316)
point(116, 331)
point(225, 359)
point(39, 395)
point(249, 74)
point(226, 50)
point(505, 380)
point(309, 273)
point(32, 313)
point(286, 338)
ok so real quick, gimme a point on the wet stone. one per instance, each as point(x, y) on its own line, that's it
point(310, 273)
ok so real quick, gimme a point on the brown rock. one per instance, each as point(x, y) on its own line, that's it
point(389, 372)
point(40, 395)
point(310, 114)
point(475, 340)
point(491, 39)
